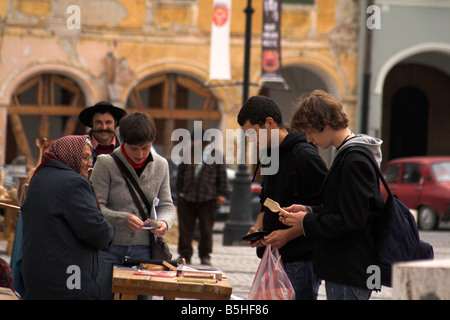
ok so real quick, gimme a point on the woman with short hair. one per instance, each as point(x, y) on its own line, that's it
point(151, 171)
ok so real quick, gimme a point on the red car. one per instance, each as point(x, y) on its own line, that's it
point(423, 184)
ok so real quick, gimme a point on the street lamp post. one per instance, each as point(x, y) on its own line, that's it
point(240, 219)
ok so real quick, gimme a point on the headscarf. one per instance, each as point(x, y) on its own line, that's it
point(68, 150)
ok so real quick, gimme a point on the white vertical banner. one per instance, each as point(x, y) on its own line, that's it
point(219, 60)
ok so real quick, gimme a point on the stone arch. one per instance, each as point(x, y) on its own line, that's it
point(323, 69)
point(85, 80)
point(171, 112)
point(14, 112)
point(404, 54)
point(188, 68)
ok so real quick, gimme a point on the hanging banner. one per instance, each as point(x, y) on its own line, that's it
point(271, 48)
point(219, 60)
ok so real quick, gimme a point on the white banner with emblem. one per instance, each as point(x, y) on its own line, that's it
point(219, 61)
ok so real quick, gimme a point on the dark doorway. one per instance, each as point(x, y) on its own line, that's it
point(409, 123)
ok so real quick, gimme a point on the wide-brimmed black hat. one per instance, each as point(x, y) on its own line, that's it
point(100, 107)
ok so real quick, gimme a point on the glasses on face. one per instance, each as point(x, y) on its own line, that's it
point(87, 158)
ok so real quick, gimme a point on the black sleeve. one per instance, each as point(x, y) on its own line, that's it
point(312, 171)
point(84, 217)
point(358, 182)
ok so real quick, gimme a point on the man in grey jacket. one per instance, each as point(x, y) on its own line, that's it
point(151, 171)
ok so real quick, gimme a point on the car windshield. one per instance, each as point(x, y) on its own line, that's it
point(441, 171)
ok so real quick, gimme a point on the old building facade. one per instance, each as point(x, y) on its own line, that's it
point(409, 59)
point(153, 56)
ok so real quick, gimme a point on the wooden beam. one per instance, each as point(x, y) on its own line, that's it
point(70, 126)
point(27, 85)
point(66, 84)
point(193, 86)
point(21, 139)
point(180, 114)
point(151, 82)
point(44, 110)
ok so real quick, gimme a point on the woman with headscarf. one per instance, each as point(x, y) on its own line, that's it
point(63, 227)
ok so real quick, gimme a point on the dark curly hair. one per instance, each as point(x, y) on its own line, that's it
point(257, 108)
point(315, 110)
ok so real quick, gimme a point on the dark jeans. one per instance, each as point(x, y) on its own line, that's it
point(188, 213)
point(112, 256)
point(304, 281)
point(338, 291)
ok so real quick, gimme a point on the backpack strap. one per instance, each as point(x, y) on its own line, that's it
point(369, 155)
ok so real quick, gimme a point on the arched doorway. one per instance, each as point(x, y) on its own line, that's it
point(415, 112)
point(174, 101)
point(300, 79)
point(409, 123)
point(46, 106)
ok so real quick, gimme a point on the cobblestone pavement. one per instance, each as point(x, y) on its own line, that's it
point(240, 264)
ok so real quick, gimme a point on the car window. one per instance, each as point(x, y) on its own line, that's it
point(411, 173)
point(441, 171)
point(391, 174)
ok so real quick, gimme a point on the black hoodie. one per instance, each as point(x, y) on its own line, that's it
point(298, 181)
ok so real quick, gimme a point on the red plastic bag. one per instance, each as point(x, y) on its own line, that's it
point(271, 281)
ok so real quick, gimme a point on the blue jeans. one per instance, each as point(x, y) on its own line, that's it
point(112, 256)
point(339, 291)
point(306, 284)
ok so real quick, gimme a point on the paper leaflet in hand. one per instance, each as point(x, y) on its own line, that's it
point(152, 224)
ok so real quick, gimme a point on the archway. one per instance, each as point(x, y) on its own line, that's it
point(409, 123)
point(415, 112)
point(174, 101)
point(45, 106)
point(301, 79)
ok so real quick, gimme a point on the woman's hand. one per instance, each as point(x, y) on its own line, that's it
point(161, 230)
point(134, 223)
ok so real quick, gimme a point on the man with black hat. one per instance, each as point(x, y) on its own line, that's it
point(103, 118)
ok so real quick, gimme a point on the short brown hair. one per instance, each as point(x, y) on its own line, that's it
point(137, 128)
point(315, 110)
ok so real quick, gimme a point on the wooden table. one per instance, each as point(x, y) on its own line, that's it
point(7, 294)
point(10, 212)
point(127, 286)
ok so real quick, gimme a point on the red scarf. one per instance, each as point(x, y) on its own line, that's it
point(136, 166)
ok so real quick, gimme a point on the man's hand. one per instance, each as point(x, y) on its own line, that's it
point(220, 200)
point(257, 243)
point(257, 227)
point(294, 215)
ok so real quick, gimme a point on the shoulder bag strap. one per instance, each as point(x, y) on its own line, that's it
point(128, 177)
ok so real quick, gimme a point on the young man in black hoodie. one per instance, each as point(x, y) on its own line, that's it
point(343, 226)
point(300, 174)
